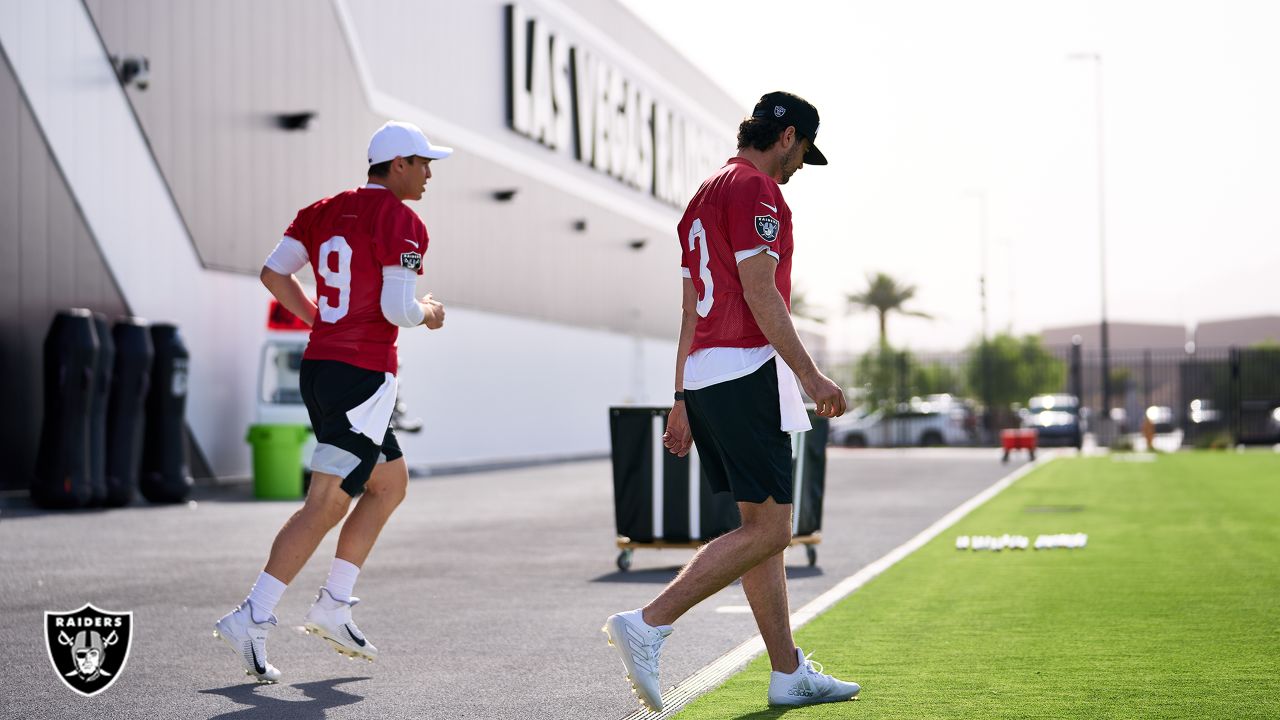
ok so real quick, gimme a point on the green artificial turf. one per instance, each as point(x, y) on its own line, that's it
point(1172, 610)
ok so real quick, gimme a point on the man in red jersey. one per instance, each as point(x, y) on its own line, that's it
point(736, 397)
point(365, 247)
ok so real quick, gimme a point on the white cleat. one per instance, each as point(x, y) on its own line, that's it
point(808, 685)
point(330, 619)
point(639, 645)
point(248, 639)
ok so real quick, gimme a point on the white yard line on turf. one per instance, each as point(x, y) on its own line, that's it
point(712, 675)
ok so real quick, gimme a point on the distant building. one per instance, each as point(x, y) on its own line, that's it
point(1239, 332)
point(1122, 336)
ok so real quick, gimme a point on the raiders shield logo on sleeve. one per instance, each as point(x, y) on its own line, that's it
point(767, 227)
point(411, 260)
point(88, 647)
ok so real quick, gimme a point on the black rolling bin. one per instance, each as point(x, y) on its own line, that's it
point(664, 502)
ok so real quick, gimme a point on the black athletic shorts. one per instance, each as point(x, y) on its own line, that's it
point(332, 390)
point(737, 428)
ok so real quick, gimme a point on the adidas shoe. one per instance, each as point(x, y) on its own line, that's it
point(330, 619)
point(249, 640)
point(808, 685)
point(639, 645)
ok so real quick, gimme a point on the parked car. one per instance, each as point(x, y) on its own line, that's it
point(1201, 411)
point(929, 421)
point(1056, 419)
point(1204, 421)
point(1161, 417)
point(1254, 422)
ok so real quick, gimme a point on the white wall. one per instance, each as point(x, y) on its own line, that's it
point(493, 387)
point(490, 387)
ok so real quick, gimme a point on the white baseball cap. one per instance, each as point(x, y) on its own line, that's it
point(401, 139)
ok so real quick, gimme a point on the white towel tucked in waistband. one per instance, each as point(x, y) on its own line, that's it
point(371, 417)
point(791, 404)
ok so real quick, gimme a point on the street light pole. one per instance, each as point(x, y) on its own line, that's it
point(981, 195)
point(1096, 59)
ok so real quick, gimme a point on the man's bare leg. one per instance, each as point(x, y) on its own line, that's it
point(766, 589)
point(765, 532)
point(382, 495)
point(330, 615)
point(245, 628)
point(325, 506)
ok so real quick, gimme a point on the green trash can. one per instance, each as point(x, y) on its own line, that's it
point(277, 460)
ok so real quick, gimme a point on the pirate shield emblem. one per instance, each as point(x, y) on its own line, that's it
point(767, 227)
point(88, 647)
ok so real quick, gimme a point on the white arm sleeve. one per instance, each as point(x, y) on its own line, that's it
point(399, 306)
point(289, 257)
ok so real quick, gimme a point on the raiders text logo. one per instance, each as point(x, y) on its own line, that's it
point(767, 227)
point(411, 260)
point(88, 647)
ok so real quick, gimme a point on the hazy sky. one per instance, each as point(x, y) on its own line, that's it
point(924, 103)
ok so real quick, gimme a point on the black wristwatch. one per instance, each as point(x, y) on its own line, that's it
point(679, 396)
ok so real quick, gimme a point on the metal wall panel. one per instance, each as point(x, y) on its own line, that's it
point(220, 71)
point(48, 261)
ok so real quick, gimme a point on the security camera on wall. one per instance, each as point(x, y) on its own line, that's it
point(132, 70)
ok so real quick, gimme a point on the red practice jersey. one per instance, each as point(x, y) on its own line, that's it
point(735, 212)
point(349, 238)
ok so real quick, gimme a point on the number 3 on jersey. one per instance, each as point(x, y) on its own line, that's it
point(698, 241)
point(339, 280)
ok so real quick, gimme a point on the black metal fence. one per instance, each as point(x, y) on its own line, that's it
point(1209, 396)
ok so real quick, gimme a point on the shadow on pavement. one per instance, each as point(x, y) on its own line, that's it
point(649, 575)
point(322, 695)
point(14, 505)
point(667, 574)
point(12, 508)
point(766, 714)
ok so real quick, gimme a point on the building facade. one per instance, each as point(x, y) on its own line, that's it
point(579, 135)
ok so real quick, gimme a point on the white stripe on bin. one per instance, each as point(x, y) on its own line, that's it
point(797, 451)
point(657, 476)
point(695, 495)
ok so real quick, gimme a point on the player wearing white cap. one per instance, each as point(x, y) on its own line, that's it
point(365, 247)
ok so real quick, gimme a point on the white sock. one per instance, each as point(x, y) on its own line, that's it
point(342, 579)
point(264, 596)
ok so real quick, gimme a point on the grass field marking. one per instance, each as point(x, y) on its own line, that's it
point(712, 675)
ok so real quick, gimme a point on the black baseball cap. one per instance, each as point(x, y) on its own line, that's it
point(796, 111)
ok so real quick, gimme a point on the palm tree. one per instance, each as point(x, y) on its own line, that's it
point(801, 307)
point(885, 295)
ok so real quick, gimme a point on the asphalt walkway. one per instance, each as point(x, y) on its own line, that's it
point(485, 594)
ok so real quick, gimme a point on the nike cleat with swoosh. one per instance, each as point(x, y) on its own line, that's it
point(330, 619)
point(248, 639)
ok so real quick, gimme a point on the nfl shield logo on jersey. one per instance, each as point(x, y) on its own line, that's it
point(88, 647)
point(767, 227)
point(411, 260)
